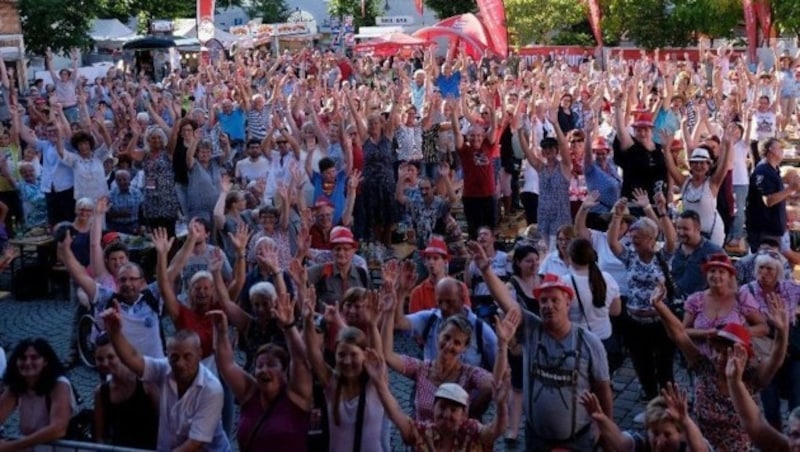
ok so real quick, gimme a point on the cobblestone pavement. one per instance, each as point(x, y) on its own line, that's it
point(52, 319)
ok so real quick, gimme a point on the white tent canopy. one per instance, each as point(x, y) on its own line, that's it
point(186, 28)
point(110, 32)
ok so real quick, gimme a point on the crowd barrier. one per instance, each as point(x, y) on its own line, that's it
point(78, 446)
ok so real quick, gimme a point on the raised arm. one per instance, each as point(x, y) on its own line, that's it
point(75, 269)
point(163, 244)
point(613, 228)
point(242, 384)
point(625, 140)
point(609, 430)
point(96, 258)
point(778, 318)
point(763, 435)
point(376, 368)
point(497, 288)
point(127, 354)
point(300, 380)
point(219, 207)
point(314, 340)
point(394, 360)
point(674, 327)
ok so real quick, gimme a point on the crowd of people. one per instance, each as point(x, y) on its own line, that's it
point(271, 189)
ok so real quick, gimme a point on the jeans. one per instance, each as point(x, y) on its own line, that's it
point(652, 353)
point(183, 199)
point(787, 383)
point(740, 193)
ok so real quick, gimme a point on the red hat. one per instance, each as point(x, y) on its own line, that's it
point(323, 202)
point(677, 144)
point(718, 260)
point(436, 246)
point(736, 333)
point(553, 281)
point(643, 119)
point(341, 235)
point(600, 143)
point(109, 238)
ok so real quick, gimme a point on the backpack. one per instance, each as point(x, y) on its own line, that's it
point(327, 271)
point(479, 325)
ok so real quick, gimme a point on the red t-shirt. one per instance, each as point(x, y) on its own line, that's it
point(345, 68)
point(478, 171)
point(318, 240)
point(202, 325)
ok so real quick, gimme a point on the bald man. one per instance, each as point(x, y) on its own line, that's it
point(191, 397)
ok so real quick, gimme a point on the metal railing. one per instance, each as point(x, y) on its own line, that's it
point(79, 446)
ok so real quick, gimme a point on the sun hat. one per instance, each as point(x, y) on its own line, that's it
point(341, 235)
point(453, 392)
point(436, 246)
point(720, 260)
point(736, 333)
point(643, 119)
point(553, 281)
point(600, 143)
point(700, 155)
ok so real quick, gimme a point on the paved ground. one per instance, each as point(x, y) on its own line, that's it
point(52, 319)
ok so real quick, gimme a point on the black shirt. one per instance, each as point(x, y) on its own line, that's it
point(760, 219)
point(641, 169)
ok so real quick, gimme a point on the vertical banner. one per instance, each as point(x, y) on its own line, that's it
point(205, 20)
point(764, 14)
point(419, 5)
point(750, 28)
point(493, 15)
point(594, 20)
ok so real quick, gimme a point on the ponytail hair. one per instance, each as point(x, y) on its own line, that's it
point(581, 252)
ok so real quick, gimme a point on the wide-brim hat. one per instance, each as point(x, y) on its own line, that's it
point(719, 260)
point(436, 246)
point(700, 155)
point(641, 120)
point(737, 334)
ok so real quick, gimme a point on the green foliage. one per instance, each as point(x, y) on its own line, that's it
point(58, 24)
point(540, 21)
point(449, 8)
point(786, 15)
point(271, 11)
point(574, 38)
point(373, 8)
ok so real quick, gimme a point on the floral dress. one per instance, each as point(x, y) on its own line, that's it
point(379, 182)
point(160, 198)
point(713, 408)
point(695, 304)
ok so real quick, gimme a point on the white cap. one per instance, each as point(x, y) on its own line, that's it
point(452, 391)
point(700, 155)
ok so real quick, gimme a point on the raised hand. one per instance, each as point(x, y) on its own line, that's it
point(591, 199)
point(677, 404)
point(507, 327)
point(408, 277)
point(621, 206)
point(161, 241)
point(240, 238)
point(220, 320)
point(661, 202)
point(777, 311)
point(112, 319)
point(298, 272)
point(354, 181)
point(310, 303)
point(102, 206)
point(640, 198)
point(737, 360)
point(390, 273)
point(659, 293)
point(375, 365)
point(268, 256)
point(478, 254)
point(216, 260)
point(225, 183)
point(592, 405)
point(283, 310)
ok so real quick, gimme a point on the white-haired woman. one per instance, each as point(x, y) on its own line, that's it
point(770, 280)
point(650, 348)
point(160, 207)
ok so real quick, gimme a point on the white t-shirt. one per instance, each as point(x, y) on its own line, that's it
point(740, 176)
point(531, 178)
point(764, 125)
point(249, 170)
point(596, 319)
point(553, 264)
point(608, 262)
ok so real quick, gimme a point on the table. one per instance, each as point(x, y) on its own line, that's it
point(40, 248)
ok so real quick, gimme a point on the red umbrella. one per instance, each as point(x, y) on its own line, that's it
point(392, 43)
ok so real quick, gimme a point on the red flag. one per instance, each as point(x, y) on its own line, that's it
point(764, 14)
point(419, 5)
point(205, 20)
point(594, 21)
point(750, 27)
point(493, 15)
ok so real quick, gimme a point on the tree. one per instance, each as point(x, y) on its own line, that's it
point(786, 16)
point(58, 24)
point(540, 20)
point(341, 8)
point(270, 11)
point(449, 8)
